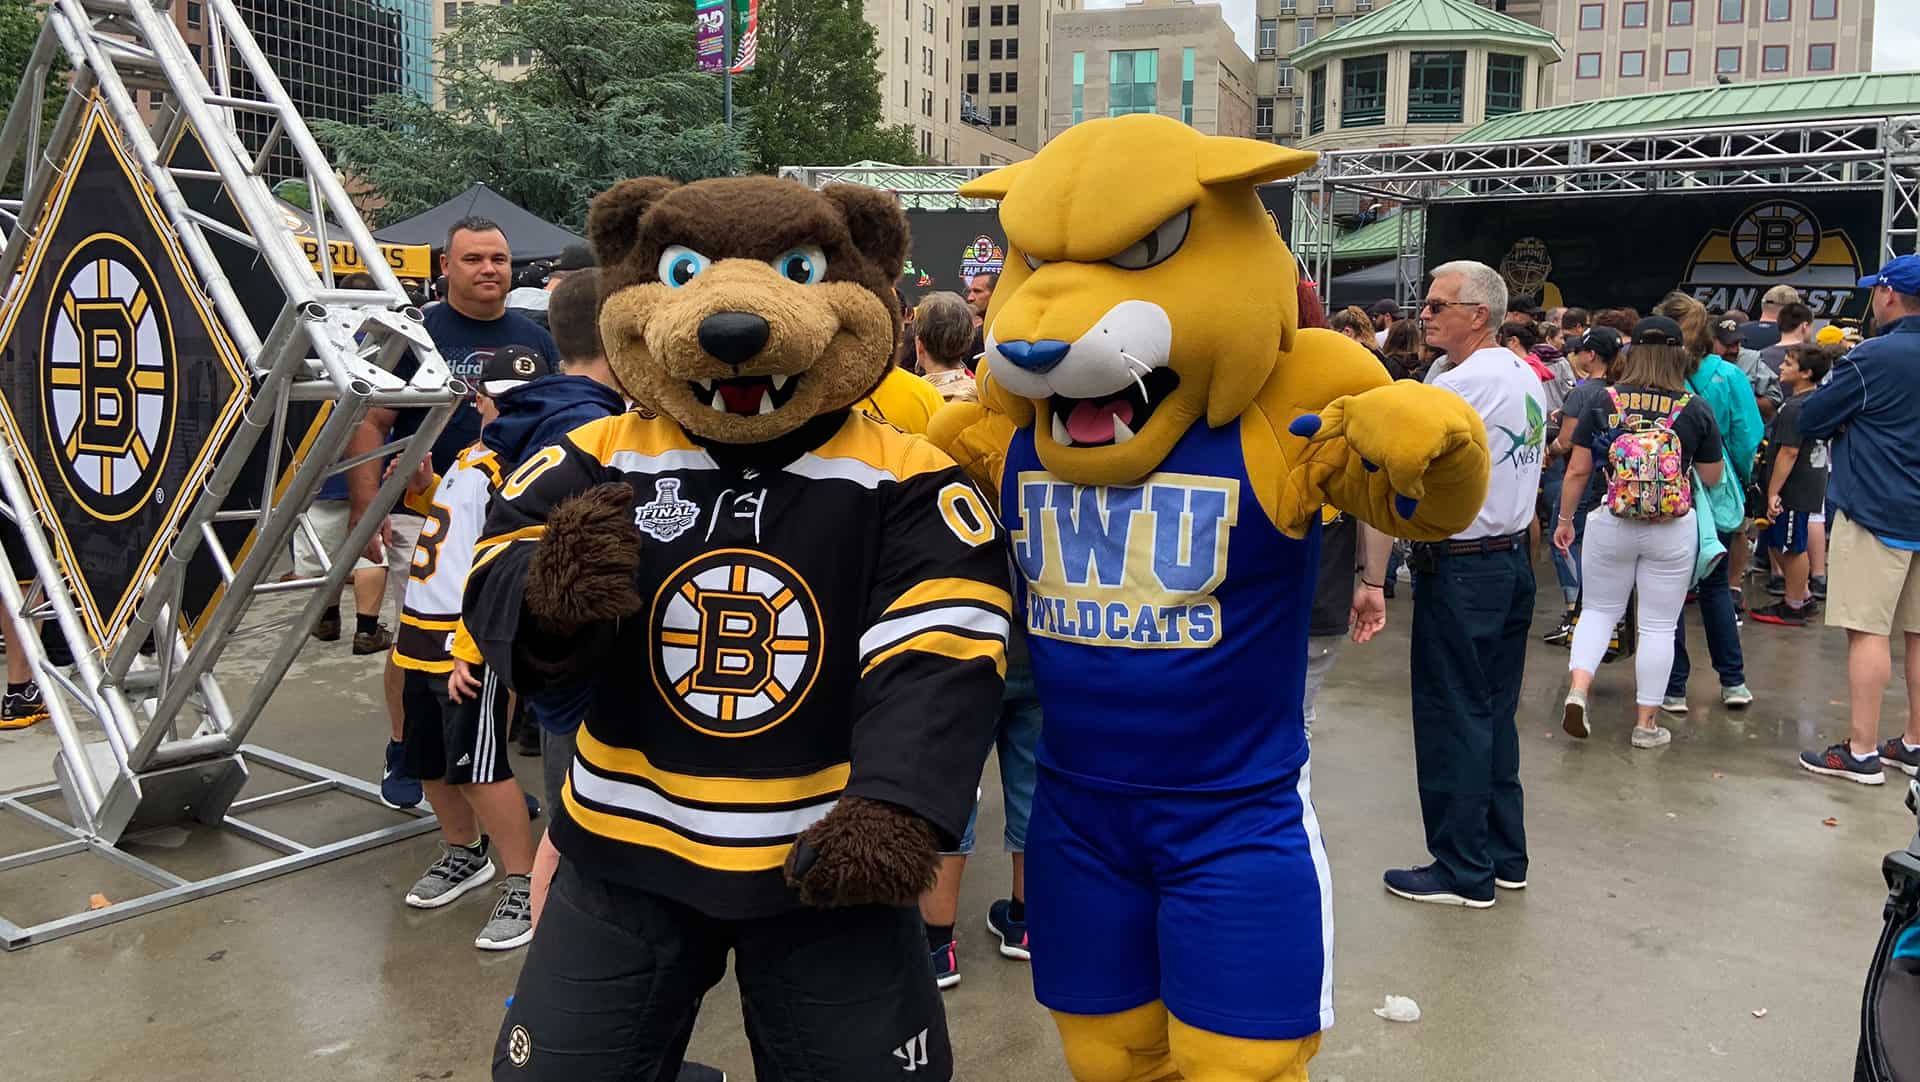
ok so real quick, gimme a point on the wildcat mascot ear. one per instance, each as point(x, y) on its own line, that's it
point(613, 218)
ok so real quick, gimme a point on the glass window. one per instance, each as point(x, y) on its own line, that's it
point(1263, 116)
point(1363, 91)
point(1633, 13)
point(1269, 35)
point(1013, 48)
point(1824, 9)
point(1133, 77)
point(1013, 14)
point(973, 82)
point(1680, 13)
point(1506, 83)
point(993, 83)
point(1773, 58)
point(1779, 11)
point(993, 115)
point(1733, 11)
point(1820, 57)
point(1079, 86)
point(973, 15)
point(1436, 88)
point(1593, 16)
point(1302, 32)
point(1679, 61)
point(1285, 70)
point(1012, 115)
point(1726, 60)
point(1317, 102)
point(993, 49)
point(1633, 64)
point(1186, 85)
point(1587, 66)
point(1013, 82)
point(973, 48)
point(994, 16)
point(193, 15)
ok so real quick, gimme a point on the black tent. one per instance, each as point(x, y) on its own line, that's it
point(1361, 287)
point(529, 235)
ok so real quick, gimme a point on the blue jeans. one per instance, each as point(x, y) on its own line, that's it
point(1016, 739)
point(1723, 634)
point(1470, 620)
point(1566, 566)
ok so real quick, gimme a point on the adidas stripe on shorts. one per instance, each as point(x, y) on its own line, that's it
point(460, 743)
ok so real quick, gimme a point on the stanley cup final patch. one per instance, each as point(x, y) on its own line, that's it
point(667, 516)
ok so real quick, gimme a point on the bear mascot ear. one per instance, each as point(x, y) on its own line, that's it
point(876, 222)
point(613, 218)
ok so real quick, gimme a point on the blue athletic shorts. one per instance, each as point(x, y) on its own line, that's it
point(1219, 904)
point(1788, 533)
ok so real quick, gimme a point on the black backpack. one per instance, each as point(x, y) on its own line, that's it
point(1889, 1038)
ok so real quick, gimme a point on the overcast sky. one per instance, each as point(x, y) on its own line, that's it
point(1896, 37)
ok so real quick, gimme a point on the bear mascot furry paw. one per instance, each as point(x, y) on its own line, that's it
point(1161, 437)
point(790, 621)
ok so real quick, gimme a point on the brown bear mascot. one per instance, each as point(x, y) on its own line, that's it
point(793, 621)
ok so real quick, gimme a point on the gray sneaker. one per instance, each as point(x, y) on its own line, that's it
point(1656, 737)
point(458, 871)
point(1736, 697)
point(512, 922)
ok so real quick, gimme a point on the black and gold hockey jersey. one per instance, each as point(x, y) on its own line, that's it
point(455, 509)
point(833, 625)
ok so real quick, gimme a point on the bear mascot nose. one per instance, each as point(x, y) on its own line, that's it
point(1038, 356)
point(733, 337)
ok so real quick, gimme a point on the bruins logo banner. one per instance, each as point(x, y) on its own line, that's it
point(120, 386)
point(1724, 248)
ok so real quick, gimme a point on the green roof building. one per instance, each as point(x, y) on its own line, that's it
point(1418, 72)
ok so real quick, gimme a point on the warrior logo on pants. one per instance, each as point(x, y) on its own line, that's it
point(736, 642)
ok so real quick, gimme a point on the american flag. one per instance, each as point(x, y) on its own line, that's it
point(749, 41)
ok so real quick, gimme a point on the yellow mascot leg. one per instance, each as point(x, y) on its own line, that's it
point(1204, 1056)
point(1130, 1046)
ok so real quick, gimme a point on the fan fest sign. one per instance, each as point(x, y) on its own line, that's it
point(1725, 249)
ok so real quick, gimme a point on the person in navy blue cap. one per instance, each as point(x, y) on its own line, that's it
point(1870, 408)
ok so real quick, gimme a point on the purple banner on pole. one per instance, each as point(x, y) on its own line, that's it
point(710, 34)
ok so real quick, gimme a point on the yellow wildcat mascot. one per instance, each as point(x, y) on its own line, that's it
point(1160, 439)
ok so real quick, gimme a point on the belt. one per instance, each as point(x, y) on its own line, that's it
point(1476, 547)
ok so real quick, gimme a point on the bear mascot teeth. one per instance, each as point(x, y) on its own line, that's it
point(1160, 437)
point(791, 619)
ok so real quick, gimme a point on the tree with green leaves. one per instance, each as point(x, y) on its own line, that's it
point(19, 29)
point(602, 90)
point(813, 97)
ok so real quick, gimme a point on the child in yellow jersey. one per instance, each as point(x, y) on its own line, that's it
point(455, 713)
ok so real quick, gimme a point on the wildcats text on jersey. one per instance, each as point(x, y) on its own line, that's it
point(1132, 566)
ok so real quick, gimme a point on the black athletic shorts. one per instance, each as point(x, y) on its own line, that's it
point(462, 743)
point(614, 978)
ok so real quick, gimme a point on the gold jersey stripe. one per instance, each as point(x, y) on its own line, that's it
point(945, 644)
point(612, 760)
point(524, 533)
point(411, 620)
point(947, 590)
point(723, 858)
point(632, 432)
point(401, 660)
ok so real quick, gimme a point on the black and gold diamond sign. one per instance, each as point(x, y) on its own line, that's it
point(120, 386)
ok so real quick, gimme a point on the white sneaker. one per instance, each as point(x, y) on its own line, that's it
point(1677, 705)
point(1574, 719)
point(1656, 737)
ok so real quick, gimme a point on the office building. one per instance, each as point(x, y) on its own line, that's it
point(1421, 71)
point(1280, 27)
point(1172, 57)
point(1622, 47)
point(924, 50)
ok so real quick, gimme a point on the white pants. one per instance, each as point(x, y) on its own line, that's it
point(1321, 650)
point(1617, 556)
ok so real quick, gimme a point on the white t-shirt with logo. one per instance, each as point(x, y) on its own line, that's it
point(1510, 401)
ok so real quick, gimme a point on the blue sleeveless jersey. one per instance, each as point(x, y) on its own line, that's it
point(1167, 620)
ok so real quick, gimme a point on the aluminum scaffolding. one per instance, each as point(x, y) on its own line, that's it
point(1864, 154)
point(171, 745)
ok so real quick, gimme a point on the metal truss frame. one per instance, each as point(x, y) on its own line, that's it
point(1869, 153)
point(174, 747)
point(819, 176)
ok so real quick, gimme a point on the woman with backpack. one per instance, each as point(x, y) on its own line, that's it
point(1645, 436)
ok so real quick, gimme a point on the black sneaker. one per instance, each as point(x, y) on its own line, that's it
point(1895, 751)
point(1838, 761)
point(1781, 613)
point(1430, 884)
point(700, 1072)
point(1777, 585)
point(23, 708)
point(1817, 584)
point(1562, 635)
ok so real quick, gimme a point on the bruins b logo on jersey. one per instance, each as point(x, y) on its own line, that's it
point(736, 642)
point(107, 367)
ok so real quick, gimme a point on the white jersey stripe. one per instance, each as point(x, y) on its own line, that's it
point(732, 825)
point(816, 468)
point(1310, 821)
point(963, 617)
point(635, 462)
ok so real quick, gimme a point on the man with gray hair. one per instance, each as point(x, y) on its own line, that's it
point(1765, 331)
point(1473, 602)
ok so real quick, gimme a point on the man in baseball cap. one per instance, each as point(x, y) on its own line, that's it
point(1870, 409)
point(1729, 344)
point(1384, 312)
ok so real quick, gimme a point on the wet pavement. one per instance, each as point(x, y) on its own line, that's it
point(1673, 894)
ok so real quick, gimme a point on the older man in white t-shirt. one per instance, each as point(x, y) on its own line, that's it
point(1473, 602)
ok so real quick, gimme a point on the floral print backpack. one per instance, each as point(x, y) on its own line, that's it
point(1647, 475)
